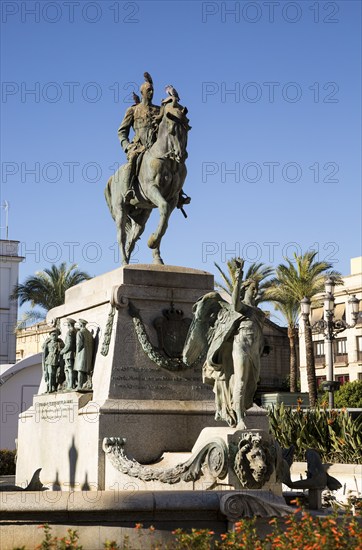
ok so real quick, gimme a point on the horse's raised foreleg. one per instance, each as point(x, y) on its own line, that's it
point(165, 208)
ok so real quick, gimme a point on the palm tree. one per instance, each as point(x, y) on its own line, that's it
point(304, 277)
point(47, 288)
point(257, 272)
point(289, 308)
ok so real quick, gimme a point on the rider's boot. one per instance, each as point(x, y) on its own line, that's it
point(128, 194)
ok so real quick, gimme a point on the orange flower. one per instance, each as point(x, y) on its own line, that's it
point(151, 528)
point(138, 526)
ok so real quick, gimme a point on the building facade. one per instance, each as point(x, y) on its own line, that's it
point(30, 340)
point(9, 276)
point(347, 345)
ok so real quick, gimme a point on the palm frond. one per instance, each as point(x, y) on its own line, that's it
point(47, 288)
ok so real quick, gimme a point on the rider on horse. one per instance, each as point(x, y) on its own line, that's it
point(144, 118)
point(155, 171)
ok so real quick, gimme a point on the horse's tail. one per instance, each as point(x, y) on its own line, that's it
point(108, 195)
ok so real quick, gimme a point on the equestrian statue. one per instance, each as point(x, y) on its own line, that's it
point(155, 170)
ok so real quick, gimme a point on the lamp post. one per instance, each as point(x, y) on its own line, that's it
point(330, 327)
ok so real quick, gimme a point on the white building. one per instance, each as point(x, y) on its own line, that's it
point(347, 346)
point(18, 384)
point(9, 275)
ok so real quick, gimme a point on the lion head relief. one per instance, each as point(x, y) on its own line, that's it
point(253, 463)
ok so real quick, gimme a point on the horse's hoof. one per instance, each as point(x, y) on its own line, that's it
point(152, 242)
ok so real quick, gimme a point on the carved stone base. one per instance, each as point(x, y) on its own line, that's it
point(221, 458)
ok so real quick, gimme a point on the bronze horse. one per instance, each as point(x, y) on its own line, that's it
point(159, 182)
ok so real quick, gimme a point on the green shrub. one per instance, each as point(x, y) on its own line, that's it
point(7, 462)
point(334, 434)
point(349, 395)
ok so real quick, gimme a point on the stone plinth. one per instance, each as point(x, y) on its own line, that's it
point(155, 409)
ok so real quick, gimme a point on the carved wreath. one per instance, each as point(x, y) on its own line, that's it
point(170, 364)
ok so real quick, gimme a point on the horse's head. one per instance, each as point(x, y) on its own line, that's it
point(176, 126)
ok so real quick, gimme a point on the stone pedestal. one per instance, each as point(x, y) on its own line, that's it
point(155, 409)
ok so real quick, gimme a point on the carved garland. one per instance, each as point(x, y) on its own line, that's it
point(213, 456)
point(108, 332)
point(152, 353)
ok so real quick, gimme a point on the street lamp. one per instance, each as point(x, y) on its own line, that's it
point(329, 285)
point(330, 327)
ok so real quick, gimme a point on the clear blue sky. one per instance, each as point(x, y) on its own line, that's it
point(291, 130)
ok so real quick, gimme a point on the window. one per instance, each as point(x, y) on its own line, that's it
point(340, 350)
point(320, 379)
point(319, 348)
point(359, 318)
point(341, 346)
point(359, 348)
point(359, 376)
point(319, 352)
point(342, 379)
